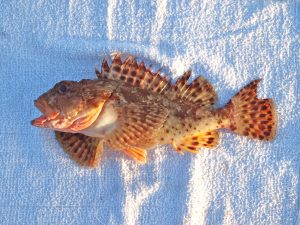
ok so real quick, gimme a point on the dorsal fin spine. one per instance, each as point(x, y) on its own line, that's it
point(129, 60)
point(134, 64)
point(117, 60)
point(162, 85)
point(199, 91)
point(142, 66)
point(104, 68)
point(182, 82)
point(184, 91)
point(98, 73)
point(146, 77)
point(154, 81)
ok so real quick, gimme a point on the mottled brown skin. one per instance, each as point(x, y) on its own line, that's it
point(130, 108)
point(182, 119)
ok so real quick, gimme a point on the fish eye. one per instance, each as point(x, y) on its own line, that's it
point(62, 89)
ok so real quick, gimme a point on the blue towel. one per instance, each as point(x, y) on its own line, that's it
point(230, 43)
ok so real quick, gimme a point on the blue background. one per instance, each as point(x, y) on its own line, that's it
point(231, 43)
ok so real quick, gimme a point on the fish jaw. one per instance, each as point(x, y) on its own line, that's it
point(73, 124)
point(49, 115)
point(43, 121)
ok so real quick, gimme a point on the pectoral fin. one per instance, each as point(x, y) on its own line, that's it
point(83, 149)
point(138, 124)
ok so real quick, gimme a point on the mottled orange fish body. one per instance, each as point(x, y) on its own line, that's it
point(131, 109)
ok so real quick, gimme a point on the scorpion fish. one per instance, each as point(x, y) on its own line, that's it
point(130, 108)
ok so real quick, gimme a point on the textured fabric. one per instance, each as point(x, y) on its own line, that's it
point(239, 182)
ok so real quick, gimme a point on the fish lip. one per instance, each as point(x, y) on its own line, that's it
point(43, 120)
point(47, 114)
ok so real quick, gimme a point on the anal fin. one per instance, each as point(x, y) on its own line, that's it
point(83, 149)
point(193, 143)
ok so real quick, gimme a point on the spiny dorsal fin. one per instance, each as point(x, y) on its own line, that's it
point(83, 149)
point(199, 92)
point(104, 70)
point(192, 144)
point(181, 84)
point(133, 73)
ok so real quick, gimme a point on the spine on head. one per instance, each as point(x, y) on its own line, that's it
point(249, 116)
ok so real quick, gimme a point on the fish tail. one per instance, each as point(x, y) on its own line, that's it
point(247, 115)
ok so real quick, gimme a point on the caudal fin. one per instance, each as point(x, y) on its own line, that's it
point(250, 116)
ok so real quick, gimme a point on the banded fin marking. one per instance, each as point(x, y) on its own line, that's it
point(136, 127)
point(199, 92)
point(83, 149)
point(250, 116)
point(181, 85)
point(104, 70)
point(115, 69)
point(139, 121)
point(192, 144)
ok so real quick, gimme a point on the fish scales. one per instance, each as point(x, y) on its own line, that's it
point(132, 109)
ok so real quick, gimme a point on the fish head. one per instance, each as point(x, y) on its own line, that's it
point(70, 106)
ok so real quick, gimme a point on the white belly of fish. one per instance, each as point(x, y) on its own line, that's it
point(104, 124)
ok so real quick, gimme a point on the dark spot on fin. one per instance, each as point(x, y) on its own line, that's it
point(252, 117)
point(104, 70)
point(198, 140)
point(199, 92)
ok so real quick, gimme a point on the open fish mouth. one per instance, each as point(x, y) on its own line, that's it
point(43, 120)
point(59, 121)
point(48, 114)
point(49, 118)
